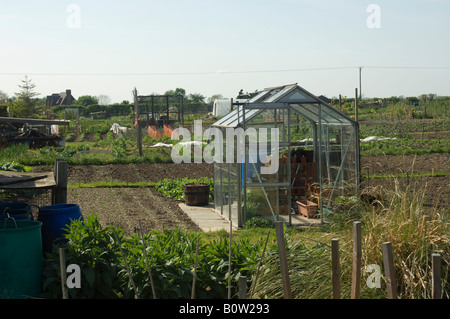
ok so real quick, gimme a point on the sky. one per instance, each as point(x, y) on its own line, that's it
point(222, 46)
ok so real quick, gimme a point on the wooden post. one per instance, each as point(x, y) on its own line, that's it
point(356, 105)
point(436, 284)
point(182, 110)
point(242, 287)
point(136, 121)
point(340, 103)
point(60, 174)
point(389, 271)
point(283, 260)
point(167, 110)
point(62, 266)
point(335, 268)
point(356, 270)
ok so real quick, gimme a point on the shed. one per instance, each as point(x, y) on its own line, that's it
point(315, 145)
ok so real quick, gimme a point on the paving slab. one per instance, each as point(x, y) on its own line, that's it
point(206, 217)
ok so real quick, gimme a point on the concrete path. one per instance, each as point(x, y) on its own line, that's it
point(206, 217)
point(209, 220)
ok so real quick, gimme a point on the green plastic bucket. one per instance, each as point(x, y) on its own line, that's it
point(20, 259)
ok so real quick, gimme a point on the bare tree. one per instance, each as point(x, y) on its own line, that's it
point(104, 99)
point(3, 97)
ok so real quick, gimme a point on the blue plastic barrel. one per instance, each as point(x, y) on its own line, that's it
point(17, 210)
point(55, 219)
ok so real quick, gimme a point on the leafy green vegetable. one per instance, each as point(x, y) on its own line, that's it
point(174, 188)
point(171, 255)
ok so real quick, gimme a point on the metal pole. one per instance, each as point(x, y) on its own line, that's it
point(320, 161)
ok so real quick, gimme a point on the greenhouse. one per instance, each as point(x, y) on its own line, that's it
point(296, 156)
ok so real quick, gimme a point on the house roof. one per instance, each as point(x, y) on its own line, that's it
point(60, 98)
point(312, 107)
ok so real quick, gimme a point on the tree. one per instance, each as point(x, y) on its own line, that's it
point(27, 92)
point(86, 100)
point(25, 105)
point(195, 102)
point(213, 98)
point(177, 91)
point(19, 108)
point(3, 97)
point(104, 99)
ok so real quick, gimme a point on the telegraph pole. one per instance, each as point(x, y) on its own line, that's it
point(360, 92)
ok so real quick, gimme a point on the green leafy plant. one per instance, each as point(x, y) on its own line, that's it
point(258, 222)
point(174, 188)
point(119, 147)
point(13, 167)
point(95, 251)
point(171, 255)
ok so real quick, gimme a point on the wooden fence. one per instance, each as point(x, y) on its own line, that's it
point(388, 263)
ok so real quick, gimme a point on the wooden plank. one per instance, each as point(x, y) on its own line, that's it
point(20, 179)
point(436, 283)
point(389, 271)
point(33, 121)
point(335, 268)
point(28, 180)
point(283, 260)
point(356, 269)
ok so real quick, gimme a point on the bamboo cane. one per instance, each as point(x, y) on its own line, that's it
point(126, 265)
point(146, 260)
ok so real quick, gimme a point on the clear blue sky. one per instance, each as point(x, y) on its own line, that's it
point(219, 47)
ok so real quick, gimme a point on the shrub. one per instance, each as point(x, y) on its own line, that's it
point(258, 222)
point(171, 255)
point(174, 188)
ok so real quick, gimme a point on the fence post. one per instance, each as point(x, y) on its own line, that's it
point(356, 269)
point(62, 266)
point(389, 271)
point(335, 268)
point(436, 276)
point(137, 122)
point(60, 174)
point(242, 287)
point(283, 260)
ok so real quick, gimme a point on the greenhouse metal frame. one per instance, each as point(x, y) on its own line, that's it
point(317, 151)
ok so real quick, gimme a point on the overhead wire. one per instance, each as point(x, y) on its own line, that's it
point(230, 72)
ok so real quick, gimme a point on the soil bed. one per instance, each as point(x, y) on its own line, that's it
point(126, 206)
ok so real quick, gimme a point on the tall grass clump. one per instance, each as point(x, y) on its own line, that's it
point(399, 216)
point(13, 152)
point(415, 231)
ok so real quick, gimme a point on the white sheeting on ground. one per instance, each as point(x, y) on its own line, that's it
point(376, 138)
